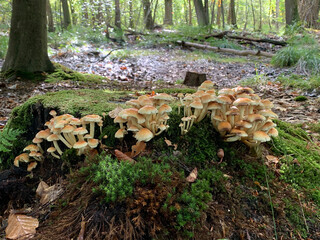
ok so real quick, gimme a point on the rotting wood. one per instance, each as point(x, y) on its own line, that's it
point(227, 50)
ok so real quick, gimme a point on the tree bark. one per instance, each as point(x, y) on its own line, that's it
point(260, 17)
point(292, 14)
point(309, 12)
point(253, 16)
point(168, 12)
point(66, 14)
point(200, 11)
point(220, 14)
point(27, 50)
point(212, 12)
point(277, 13)
point(117, 20)
point(147, 14)
point(50, 17)
point(232, 14)
point(190, 13)
point(131, 22)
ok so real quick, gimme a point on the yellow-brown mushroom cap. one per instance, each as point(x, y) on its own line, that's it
point(144, 135)
point(261, 136)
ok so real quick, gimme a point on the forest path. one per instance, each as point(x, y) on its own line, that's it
point(151, 68)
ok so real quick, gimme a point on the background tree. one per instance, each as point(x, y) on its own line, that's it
point(147, 13)
point(66, 14)
point(117, 20)
point(50, 17)
point(309, 12)
point(292, 14)
point(232, 18)
point(27, 50)
point(168, 12)
point(202, 16)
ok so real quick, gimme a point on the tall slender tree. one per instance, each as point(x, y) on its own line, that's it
point(168, 12)
point(50, 17)
point(66, 14)
point(292, 14)
point(201, 13)
point(148, 20)
point(27, 50)
point(117, 20)
point(232, 14)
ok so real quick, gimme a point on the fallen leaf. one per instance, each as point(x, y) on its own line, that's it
point(168, 142)
point(21, 226)
point(47, 193)
point(114, 113)
point(192, 176)
point(272, 159)
point(138, 148)
point(123, 157)
point(41, 187)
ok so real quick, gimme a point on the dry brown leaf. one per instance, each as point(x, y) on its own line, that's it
point(46, 193)
point(21, 226)
point(82, 230)
point(168, 142)
point(114, 113)
point(123, 157)
point(192, 176)
point(138, 148)
point(41, 187)
point(272, 159)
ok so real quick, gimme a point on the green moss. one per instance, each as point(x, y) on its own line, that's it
point(76, 102)
point(300, 164)
point(62, 73)
point(301, 98)
point(175, 90)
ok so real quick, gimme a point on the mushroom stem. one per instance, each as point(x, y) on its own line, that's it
point(55, 155)
point(56, 145)
point(64, 141)
point(92, 129)
point(203, 112)
point(40, 148)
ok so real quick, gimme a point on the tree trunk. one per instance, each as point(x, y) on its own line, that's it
point(27, 50)
point(200, 11)
point(117, 20)
point(206, 10)
point(50, 17)
point(260, 17)
point(309, 12)
point(147, 14)
point(277, 13)
point(66, 14)
point(212, 12)
point(220, 14)
point(292, 14)
point(253, 16)
point(246, 22)
point(232, 14)
point(131, 22)
point(168, 12)
point(190, 13)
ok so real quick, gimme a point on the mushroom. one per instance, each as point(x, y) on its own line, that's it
point(93, 143)
point(80, 145)
point(162, 98)
point(223, 128)
point(92, 119)
point(23, 157)
point(51, 150)
point(198, 106)
point(80, 132)
point(148, 111)
point(38, 141)
point(67, 133)
point(242, 103)
point(120, 133)
point(54, 138)
point(144, 135)
point(120, 120)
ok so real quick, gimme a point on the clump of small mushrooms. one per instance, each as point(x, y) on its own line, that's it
point(237, 113)
point(146, 118)
point(66, 130)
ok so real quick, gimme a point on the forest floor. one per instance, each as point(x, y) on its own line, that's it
point(239, 211)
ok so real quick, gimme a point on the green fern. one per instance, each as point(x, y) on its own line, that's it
point(7, 137)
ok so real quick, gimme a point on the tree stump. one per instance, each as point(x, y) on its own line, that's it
point(194, 79)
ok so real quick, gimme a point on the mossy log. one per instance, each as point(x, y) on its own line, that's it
point(227, 50)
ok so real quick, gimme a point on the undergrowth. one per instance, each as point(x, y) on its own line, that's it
point(3, 45)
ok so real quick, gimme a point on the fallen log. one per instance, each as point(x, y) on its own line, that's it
point(227, 50)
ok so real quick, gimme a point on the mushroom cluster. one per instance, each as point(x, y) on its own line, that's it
point(237, 113)
point(197, 105)
point(146, 118)
point(71, 131)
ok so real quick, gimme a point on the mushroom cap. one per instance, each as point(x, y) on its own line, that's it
point(23, 157)
point(148, 109)
point(37, 140)
point(145, 102)
point(129, 111)
point(93, 143)
point(144, 135)
point(164, 108)
point(163, 96)
point(52, 137)
point(80, 131)
point(80, 144)
point(206, 98)
point(218, 118)
point(51, 149)
point(213, 105)
point(75, 121)
point(261, 136)
point(162, 127)
point(226, 91)
point(31, 148)
point(232, 138)
point(273, 132)
point(268, 113)
point(33, 154)
point(240, 90)
point(267, 126)
point(243, 124)
point(67, 129)
point(242, 102)
point(119, 119)
point(233, 111)
point(92, 118)
point(32, 166)
point(87, 136)
point(43, 134)
point(224, 127)
point(134, 103)
point(255, 117)
point(60, 123)
point(211, 92)
point(207, 84)
point(196, 105)
point(133, 128)
point(239, 132)
point(267, 103)
point(223, 99)
point(120, 133)
point(53, 113)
